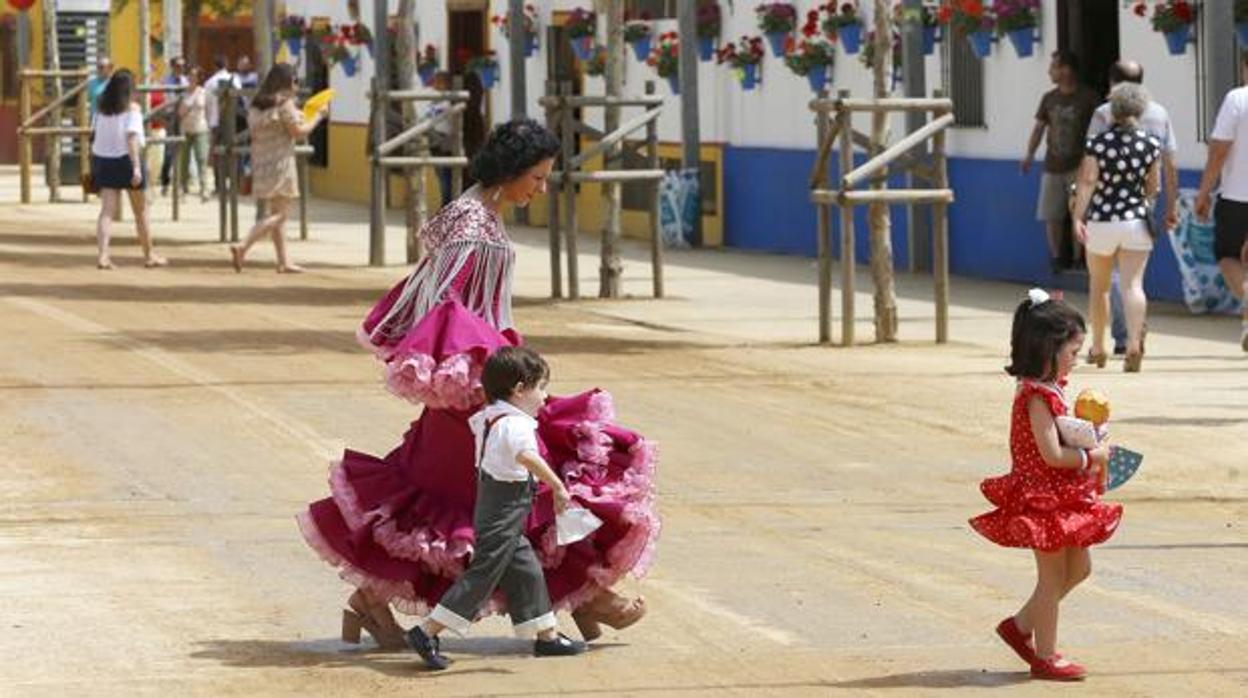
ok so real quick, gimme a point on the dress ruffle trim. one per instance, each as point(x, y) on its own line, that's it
point(1069, 516)
point(453, 383)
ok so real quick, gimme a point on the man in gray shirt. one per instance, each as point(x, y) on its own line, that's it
point(1155, 121)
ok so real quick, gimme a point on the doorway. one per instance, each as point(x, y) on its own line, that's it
point(1089, 29)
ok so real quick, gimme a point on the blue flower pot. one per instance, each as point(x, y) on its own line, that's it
point(706, 47)
point(489, 76)
point(1241, 32)
point(929, 40)
point(1176, 41)
point(818, 78)
point(641, 48)
point(426, 74)
point(349, 65)
point(583, 47)
point(294, 45)
point(776, 39)
point(1024, 42)
point(749, 76)
point(673, 81)
point(851, 37)
point(981, 43)
point(530, 45)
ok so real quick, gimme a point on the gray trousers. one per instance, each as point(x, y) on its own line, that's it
point(502, 559)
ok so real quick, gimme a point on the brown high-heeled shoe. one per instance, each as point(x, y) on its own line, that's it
point(1131, 364)
point(376, 619)
point(610, 609)
point(1098, 359)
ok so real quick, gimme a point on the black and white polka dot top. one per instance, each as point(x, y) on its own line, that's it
point(1123, 156)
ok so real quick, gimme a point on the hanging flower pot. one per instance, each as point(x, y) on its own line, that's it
point(294, 45)
point(851, 38)
point(673, 81)
point(749, 76)
point(777, 40)
point(427, 64)
point(349, 64)
point(929, 40)
point(488, 75)
point(1176, 41)
point(530, 45)
point(641, 47)
point(426, 72)
point(1241, 31)
point(1024, 41)
point(981, 43)
point(706, 47)
point(583, 47)
point(818, 78)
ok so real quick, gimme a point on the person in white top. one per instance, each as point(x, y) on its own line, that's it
point(213, 86)
point(1155, 121)
point(508, 460)
point(116, 164)
point(1228, 162)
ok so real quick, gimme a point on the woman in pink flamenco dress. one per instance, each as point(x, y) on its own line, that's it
point(399, 528)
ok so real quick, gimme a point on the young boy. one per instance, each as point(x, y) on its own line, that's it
point(514, 379)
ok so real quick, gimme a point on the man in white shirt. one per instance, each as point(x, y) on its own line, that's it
point(1155, 121)
point(1228, 162)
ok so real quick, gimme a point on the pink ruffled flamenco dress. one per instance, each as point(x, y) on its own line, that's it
point(400, 527)
point(1039, 506)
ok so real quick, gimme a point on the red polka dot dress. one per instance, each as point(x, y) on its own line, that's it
point(1039, 506)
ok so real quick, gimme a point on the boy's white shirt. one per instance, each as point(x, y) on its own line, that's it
point(514, 433)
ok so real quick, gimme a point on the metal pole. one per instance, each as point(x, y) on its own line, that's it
point(823, 241)
point(572, 226)
point(914, 80)
point(691, 155)
point(656, 235)
point(552, 202)
point(847, 230)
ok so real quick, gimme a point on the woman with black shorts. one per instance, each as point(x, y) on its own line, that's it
point(116, 165)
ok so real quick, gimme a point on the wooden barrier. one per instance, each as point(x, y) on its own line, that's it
point(833, 125)
point(27, 128)
point(561, 106)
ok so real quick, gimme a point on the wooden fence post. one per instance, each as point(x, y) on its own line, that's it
point(656, 233)
point(572, 226)
point(847, 227)
point(25, 147)
point(940, 236)
point(824, 232)
point(84, 140)
point(553, 122)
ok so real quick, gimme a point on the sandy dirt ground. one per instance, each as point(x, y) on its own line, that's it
point(160, 429)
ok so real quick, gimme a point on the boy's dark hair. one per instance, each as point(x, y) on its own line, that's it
point(1067, 59)
point(509, 366)
point(1039, 332)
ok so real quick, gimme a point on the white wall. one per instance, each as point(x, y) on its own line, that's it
point(775, 114)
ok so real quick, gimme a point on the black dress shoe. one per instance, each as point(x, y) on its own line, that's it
point(428, 648)
point(561, 646)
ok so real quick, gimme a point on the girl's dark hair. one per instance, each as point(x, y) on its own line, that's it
point(509, 366)
point(1039, 332)
point(511, 149)
point(280, 77)
point(115, 99)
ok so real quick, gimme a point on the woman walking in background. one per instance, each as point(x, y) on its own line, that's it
point(117, 165)
point(275, 125)
point(1117, 182)
point(194, 123)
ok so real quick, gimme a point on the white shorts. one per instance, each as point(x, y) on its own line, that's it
point(1107, 238)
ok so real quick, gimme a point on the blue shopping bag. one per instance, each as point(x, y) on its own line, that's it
point(1204, 289)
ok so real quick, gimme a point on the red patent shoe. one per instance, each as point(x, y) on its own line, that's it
point(1057, 669)
point(1020, 643)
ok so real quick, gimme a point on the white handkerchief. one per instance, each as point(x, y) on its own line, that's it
point(574, 524)
point(1079, 433)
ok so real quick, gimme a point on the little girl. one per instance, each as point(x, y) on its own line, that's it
point(1048, 502)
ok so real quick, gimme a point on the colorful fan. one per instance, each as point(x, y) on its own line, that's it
point(1123, 463)
point(316, 102)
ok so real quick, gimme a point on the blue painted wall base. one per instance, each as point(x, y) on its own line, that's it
point(993, 231)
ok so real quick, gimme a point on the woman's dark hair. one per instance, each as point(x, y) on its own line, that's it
point(509, 366)
point(511, 149)
point(1040, 331)
point(281, 77)
point(115, 99)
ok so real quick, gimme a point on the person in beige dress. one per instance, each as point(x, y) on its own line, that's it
point(275, 124)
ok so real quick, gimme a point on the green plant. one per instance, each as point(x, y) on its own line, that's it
point(484, 61)
point(1013, 15)
point(839, 15)
point(665, 57)
point(597, 63)
point(776, 17)
point(966, 16)
point(710, 19)
point(748, 51)
point(636, 31)
point(808, 54)
point(581, 23)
